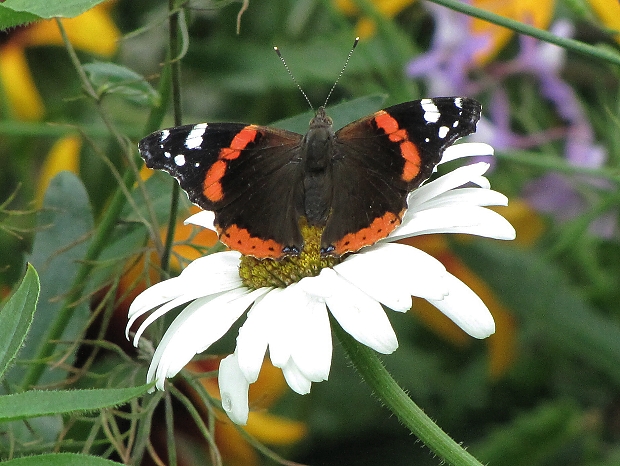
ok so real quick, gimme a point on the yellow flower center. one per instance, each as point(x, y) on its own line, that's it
point(256, 273)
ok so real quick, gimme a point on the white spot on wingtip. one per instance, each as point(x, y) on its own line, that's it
point(179, 160)
point(164, 135)
point(194, 138)
point(167, 154)
point(455, 124)
point(458, 102)
point(443, 131)
point(431, 112)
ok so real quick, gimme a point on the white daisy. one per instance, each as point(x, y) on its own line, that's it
point(292, 321)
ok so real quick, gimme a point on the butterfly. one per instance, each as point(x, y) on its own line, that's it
point(262, 182)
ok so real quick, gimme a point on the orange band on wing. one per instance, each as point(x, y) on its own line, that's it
point(239, 142)
point(241, 240)
point(378, 229)
point(408, 149)
point(410, 153)
point(386, 122)
point(212, 185)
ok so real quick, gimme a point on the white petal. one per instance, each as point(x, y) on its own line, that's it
point(280, 334)
point(392, 273)
point(154, 296)
point(205, 276)
point(321, 286)
point(204, 218)
point(191, 296)
point(468, 196)
point(467, 149)
point(362, 317)
point(254, 334)
point(472, 220)
point(233, 390)
point(218, 272)
point(454, 179)
point(311, 342)
point(214, 272)
point(466, 309)
point(196, 328)
point(295, 379)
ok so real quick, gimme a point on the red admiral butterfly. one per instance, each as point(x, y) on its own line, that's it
point(262, 181)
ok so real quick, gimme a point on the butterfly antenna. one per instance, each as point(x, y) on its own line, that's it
point(277, 50)
point(346, 62)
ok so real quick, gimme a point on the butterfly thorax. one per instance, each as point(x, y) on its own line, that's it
point(317, 146)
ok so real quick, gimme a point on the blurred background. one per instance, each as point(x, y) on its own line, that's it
point(544, 390)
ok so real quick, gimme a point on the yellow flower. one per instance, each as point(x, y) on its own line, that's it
point(92, 31)
point(63, 156)
point(608, 12)
point(533, 12)
point(366, 26)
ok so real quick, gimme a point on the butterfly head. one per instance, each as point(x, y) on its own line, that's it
point(321, 119)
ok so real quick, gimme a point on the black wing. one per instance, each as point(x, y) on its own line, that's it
point(380, 158)
point(250, 176)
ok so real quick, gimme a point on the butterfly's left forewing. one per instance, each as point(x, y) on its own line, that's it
point(246, 174)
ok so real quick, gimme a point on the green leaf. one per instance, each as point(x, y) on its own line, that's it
point(63, 228)
point(65, 8)
point(16, 317)
point(35, 403)
point(539, 293)
point(60, 459)
point(533, 437)
point(109, 78)
point(10, 18)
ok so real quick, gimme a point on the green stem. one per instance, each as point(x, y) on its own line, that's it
point(98, 243)
point(171, 445)
point(175, 74)
point(534, 159)
point(389, 392)
point(522, 28)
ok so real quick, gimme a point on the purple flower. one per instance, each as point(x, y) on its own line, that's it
point(447, 67)
point(451, 56)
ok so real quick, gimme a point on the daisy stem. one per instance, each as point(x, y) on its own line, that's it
point(389, 392)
